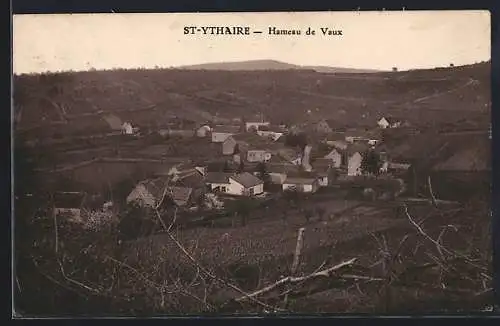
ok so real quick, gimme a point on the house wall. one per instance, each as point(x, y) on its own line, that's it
point(226, 186)
point(383, 123)
point(270, 134)
point(354, 164)
point(220, 137)
point(249, 125)
point(323, 181)
point(228, 146)
point(127, 129)
point(256, 190)
point(235, 188)
point(336, 158)
point(258, 156)
point(309, 188)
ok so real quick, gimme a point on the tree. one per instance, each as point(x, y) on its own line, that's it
point(263, 174)
point(371, 162)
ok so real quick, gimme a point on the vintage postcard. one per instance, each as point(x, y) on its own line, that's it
point(252, 163)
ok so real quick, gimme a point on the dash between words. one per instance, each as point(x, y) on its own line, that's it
point(246, 30)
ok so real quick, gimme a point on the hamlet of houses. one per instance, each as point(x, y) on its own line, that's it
point(254, 160)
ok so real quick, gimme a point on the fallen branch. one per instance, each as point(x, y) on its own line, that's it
point(292, 280)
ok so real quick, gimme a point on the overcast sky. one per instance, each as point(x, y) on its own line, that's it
point(374, 40)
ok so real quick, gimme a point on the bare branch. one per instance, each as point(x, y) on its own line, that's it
point(437, 244)
point(292, 280)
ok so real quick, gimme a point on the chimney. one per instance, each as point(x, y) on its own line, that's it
point(306, 158)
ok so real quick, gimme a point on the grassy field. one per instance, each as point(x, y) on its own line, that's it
point(148, 97)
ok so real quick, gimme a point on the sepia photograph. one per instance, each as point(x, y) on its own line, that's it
point(288, 163)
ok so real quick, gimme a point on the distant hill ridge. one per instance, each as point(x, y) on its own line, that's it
point(270, 65)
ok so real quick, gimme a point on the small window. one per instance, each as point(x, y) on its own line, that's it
point(223, 189)
point(250, 191)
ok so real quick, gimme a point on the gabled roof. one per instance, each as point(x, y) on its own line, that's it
point(156, 187)
point(190, 179)
point(246, 179)
point(301, 178)
point(282, 168)
point(389, 119)
point(218, 177)
point(180, 195)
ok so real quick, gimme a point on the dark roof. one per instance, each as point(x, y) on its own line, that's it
point(281, 168)
point(191, 179)
point(300, 180)
point(218, 177)
point(246, 179)
point(156, 187)
point(272, 128)
point(69, 199)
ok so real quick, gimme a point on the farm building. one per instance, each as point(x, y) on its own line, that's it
point(221, 133)
point(388, 122)
point(254, 126)
point(242, 184)
point(127, 128)
point(354, 155)
point(301, 183)
point(251, 147)
point(150, 193)
point(272, 132)
point(278, 172)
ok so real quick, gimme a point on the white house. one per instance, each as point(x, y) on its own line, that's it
point(249, 126)
point(388, 123)
point(269, 132)
point(241, 184)
point(127, 128)
point(221, 133)
point(258, 155)
point(336, 157)
point(301, 184)
point(354, 160)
